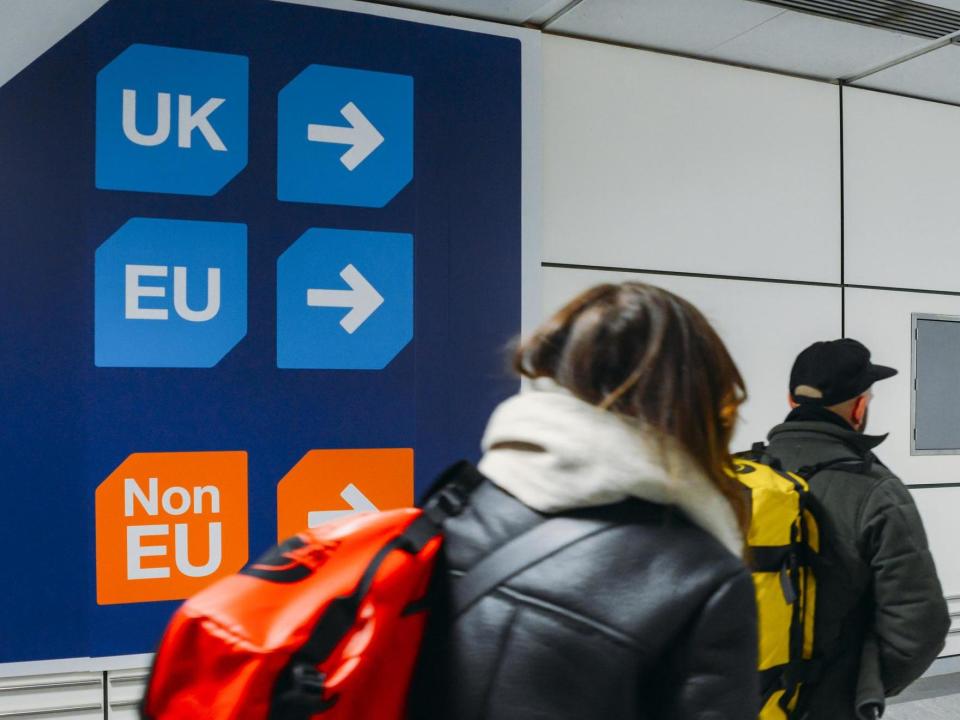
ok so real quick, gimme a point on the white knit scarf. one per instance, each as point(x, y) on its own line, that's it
point(563, 453)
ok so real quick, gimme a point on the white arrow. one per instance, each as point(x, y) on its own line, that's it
point(362, 136)
point(362, 299)
point(355, 499)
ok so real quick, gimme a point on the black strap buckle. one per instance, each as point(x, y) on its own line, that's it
point(307, 688)
point(788, 579)
point(448, 502)
point(452, 499)
point(451, 492)
point(308, 680)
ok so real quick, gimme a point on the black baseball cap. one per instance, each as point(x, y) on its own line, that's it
point(838, 369)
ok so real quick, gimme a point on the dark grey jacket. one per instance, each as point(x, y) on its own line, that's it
point(881, 617)
point(649, 619)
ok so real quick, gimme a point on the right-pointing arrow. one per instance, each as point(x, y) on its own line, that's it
point(362, 299)
point(355, 499)
point(362, 136)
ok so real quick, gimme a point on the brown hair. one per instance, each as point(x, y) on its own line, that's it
point(643, 352)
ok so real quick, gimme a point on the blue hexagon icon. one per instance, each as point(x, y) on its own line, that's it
point(344, 300)
point(170, 293)
point(171, 120)
point(345, 137)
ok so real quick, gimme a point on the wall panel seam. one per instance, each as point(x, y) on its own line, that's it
point(843, 278)
point(677, 273)
point(745, 278)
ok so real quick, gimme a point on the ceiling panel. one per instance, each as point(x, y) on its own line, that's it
point(949, 4)
point(815, 46)
point(935, 75)
point(516, 11)
point(687, 26)
point(549, 10)
point(28, 28)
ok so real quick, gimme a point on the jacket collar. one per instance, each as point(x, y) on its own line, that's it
point(814, 413)
point(815, 420)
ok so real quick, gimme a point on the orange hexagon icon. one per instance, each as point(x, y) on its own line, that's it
point(327, 484)
point(169, 524)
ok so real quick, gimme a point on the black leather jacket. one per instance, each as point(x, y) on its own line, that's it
point(881, 616)
point(649, 619)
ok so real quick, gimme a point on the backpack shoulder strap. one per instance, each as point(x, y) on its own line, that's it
point(760, 452)
point(537, 544)
point(852, 464)
point(450, 495)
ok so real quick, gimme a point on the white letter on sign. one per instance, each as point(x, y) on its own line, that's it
point(211, 491)
point(182, 542)
point(180, 295)
point(131, 491)
point(162, 132)
point(168, 500)
point(135, 291)
point(198, 121)
point(136, 552)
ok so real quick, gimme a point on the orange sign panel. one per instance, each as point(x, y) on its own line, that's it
point(327, 484)
point(169, 524)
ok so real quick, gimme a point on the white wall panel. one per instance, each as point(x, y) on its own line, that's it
point(66, 696)
point(939, 507)
point(125, 690)
point(953, 639)
point(764, 325)
point(881, 320)
point(901, 184)
point(664, 163)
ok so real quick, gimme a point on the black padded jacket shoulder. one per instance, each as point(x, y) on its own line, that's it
point(650, 619)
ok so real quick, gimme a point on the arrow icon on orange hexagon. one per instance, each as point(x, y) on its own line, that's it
point(362, 137)
point(362, 299)
point(355, 499)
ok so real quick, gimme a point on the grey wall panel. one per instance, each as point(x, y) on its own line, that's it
point(936, 405)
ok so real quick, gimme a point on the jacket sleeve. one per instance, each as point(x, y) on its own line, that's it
point(910, 614)
point(717, 675)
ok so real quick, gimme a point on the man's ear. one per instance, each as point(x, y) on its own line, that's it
point(791, 402)
point(859, 410)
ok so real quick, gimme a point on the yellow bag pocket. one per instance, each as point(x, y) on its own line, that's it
point(774, 621)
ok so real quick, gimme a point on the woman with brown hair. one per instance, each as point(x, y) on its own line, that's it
point(646, 610)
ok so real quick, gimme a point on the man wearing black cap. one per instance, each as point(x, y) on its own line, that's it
point(881, 618)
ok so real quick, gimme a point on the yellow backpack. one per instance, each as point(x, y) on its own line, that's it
point(784, 541)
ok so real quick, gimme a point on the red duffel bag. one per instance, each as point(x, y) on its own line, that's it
point(326, 625)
